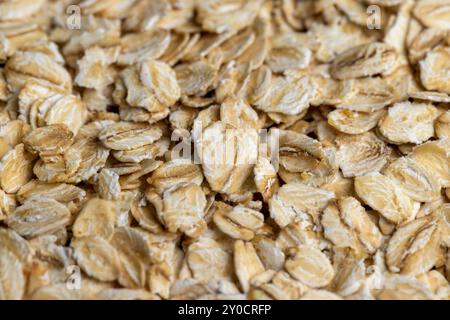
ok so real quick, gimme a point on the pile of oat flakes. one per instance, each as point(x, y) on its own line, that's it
point(357, 206)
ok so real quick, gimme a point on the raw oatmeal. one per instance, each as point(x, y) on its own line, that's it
point(238, 149)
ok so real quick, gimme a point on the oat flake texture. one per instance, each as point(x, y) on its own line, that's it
point(239, 149)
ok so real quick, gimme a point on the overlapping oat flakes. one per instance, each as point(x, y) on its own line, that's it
point(207, 149)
